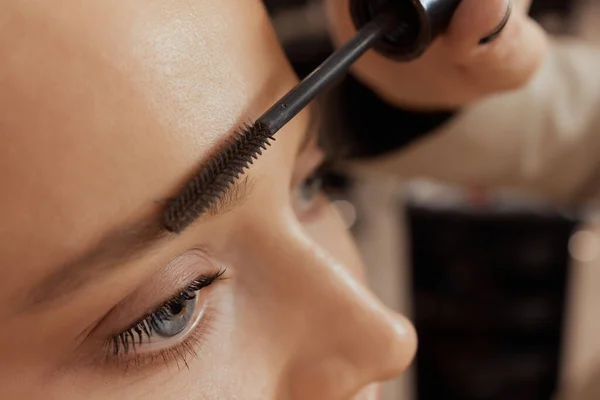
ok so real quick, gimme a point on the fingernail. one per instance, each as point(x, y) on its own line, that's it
point(496, 32)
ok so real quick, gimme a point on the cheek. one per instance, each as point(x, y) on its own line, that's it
point(328, 231)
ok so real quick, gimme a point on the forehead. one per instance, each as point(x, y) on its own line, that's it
point(107, 105)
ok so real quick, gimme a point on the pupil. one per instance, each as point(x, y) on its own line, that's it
point(177, 316)
point(176, 308)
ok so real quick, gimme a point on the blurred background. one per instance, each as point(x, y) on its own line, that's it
point(491, 278)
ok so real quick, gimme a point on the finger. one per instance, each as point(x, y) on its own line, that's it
point(474, 21)
point(511, 51)
point(510, 61)
point(495, 34)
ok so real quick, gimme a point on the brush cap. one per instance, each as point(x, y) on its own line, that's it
point(421, 21)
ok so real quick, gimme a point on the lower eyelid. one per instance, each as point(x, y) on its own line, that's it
point(156, 342)
point(180, 356)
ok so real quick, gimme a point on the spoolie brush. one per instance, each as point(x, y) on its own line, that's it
point(215, 176)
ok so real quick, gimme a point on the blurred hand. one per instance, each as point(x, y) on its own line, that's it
point(457, 69)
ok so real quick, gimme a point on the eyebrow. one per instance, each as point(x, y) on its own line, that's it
point(118, 246)
point(132, 240)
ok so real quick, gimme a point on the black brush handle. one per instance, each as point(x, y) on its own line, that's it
point(420, 23)
point(328, 72)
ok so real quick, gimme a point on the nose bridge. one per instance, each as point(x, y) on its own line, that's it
point(350, 338)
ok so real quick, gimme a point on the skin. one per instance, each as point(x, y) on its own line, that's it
point(107, 108)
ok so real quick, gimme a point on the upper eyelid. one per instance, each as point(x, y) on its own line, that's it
point(149, 311)
point(118, 317)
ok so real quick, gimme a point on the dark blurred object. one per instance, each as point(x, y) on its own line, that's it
point(420, 23)
point(276, 5)
point(489, 303)
point(352, 135)
point(556, 16)
point(539, 8)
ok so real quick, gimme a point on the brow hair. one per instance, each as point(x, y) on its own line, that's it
point(118, 246)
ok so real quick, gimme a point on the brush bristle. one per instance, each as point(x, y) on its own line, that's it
point(216, 176)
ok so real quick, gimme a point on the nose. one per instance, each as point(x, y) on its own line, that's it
point(349, 338)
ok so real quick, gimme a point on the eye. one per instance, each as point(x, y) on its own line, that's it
point(309, 195)
point(167, 326)
point(311, 187)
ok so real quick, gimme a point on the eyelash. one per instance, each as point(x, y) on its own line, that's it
point(126, 342)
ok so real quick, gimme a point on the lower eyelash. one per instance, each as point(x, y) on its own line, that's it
point(133, 336)
point(179, 355)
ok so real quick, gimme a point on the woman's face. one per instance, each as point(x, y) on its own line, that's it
point(106, 109)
